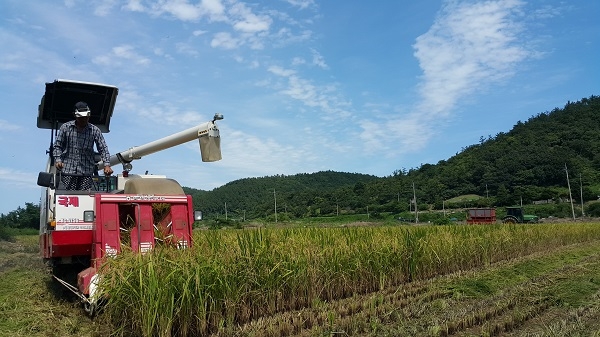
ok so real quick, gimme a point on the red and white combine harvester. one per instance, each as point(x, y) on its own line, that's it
point(80, 229)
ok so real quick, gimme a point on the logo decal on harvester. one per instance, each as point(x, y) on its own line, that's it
point(145, 247)
point(110, 251)
point(150, 197)
point(67, 201)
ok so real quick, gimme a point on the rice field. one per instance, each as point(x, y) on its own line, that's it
point(232, 279)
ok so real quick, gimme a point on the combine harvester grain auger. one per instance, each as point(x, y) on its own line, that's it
point(81, 229)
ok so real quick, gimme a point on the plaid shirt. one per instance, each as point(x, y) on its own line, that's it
point(76, 148)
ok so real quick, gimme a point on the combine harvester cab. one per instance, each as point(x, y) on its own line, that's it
point(79, 229)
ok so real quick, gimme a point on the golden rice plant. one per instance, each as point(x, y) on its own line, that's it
point(234, 276)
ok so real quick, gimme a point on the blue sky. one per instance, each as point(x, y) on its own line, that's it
point(304, 85)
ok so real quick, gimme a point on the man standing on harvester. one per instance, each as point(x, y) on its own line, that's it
point(73, 150)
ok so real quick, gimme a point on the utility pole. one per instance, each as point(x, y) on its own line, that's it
point(444, 207)
point(275, 197)
point(416, 208)
point(570, 196)
point(581, 195)
point(225, 210)
point(521, 201)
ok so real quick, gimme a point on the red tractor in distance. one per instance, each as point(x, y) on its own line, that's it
point(481, 215)
point(80, 229)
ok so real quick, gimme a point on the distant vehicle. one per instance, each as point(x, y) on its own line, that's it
point(481, 215)
point(515, 215)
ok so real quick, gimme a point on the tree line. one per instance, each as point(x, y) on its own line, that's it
point(526, 164)
point(23, 218)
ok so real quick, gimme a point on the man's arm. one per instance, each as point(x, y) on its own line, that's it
point(58, 148)
point(104, 153)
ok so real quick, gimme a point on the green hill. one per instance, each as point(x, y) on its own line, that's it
point(298, 195)
point(524, 164)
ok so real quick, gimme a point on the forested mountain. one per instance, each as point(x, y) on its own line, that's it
point(527, 162)
point(296, 195)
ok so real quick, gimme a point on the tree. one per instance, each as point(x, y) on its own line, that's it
point(503, 196)
point(28, 217)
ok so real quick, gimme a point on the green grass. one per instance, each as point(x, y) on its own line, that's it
point(6, 235)
point(465, 197)
point(493, 280)
point(31, 304)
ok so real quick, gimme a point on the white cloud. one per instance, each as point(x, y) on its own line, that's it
point(248, 22)
point(256, 41)
point(181, 9)
point(161, 52)
point(318, 59)
point(152, 110)
point(279, 71)
point(285, 36)
point(163, 113)
point(103, 7)
point(252, 64)
point(224, 40)
point(260, 155)
point(17, 61)
point(248, 26)
point(16, 178)
point(17, 51)
point(324, 97)
point(410, 133)
point(470, 46)
point(548, 12)
point(244, 155)
point(298, 61)
point(248, 29)
point(6, 126)
point(214, 9)
point(134, 6)
point(301, 3)
point(122, 52)
point(186, 48)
